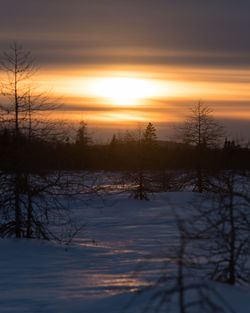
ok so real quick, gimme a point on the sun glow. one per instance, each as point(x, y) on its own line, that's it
point(124, 91)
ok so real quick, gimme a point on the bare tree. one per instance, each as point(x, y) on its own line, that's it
point(200, 128)
point(201, 131)
point(29, 190)
point(37, 104)
point(18, 65)
point(222, 225)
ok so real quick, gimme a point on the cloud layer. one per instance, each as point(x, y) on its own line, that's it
point(179, 32)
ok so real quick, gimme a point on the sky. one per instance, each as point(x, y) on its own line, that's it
point(117, 63)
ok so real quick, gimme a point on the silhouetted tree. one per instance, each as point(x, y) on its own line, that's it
point(82, 142)
point(222, 226)
point(141, 176)
point(82, 136)
point(149, 135)
point(24, 179)
point(18, 66)
point(202, 131)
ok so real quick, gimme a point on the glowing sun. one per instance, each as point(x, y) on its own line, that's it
point(124, 91)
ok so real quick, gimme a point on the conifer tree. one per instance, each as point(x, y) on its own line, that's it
point(149, 135)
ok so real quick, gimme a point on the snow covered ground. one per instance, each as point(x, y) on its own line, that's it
point(120, 249)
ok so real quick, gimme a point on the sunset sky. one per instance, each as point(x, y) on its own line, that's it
point(117, 63)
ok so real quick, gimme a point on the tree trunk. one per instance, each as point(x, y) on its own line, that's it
point(232, 240)
point(17, 206)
